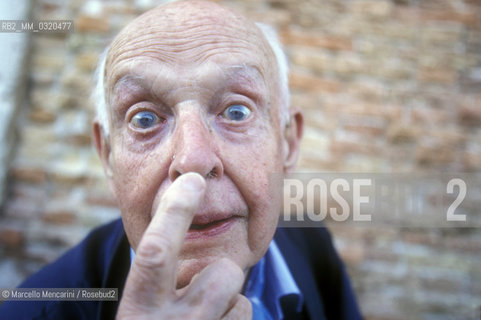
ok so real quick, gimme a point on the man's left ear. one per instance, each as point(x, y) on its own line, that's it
point(292, 138)
point(102, 145)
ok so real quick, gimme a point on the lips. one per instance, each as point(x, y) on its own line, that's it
point(204, 226)
point(207, 226)
point(201, 219)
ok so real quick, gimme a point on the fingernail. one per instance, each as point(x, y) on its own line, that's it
point(193, 181)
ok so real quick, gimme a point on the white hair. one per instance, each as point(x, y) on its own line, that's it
point(282, 68)
point(100, 100)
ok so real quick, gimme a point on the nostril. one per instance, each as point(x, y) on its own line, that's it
point(212, 173)
point(175, 175)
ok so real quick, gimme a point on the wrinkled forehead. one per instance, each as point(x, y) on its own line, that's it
point(186, 34)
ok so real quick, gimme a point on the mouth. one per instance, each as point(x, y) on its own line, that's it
point(206, 229)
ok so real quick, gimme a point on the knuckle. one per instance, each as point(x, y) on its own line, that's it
point(244, 304)
point(242, 309)
point(232, 269)
point(153, 251)
point(226, 279)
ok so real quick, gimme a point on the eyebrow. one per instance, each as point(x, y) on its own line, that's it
point(127, 80)
point(251, 73)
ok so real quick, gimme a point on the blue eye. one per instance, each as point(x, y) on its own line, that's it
point(236, 112)
point(144, 120)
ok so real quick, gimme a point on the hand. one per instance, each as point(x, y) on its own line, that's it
point(150, 288)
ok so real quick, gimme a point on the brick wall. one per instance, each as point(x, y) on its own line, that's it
point(386, 86)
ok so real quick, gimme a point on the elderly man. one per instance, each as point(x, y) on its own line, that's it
point(193, 118)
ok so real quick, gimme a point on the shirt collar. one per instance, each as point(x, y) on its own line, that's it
point(270, 280)
point(132, 256)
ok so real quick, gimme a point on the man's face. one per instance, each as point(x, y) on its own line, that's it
point(193, 88)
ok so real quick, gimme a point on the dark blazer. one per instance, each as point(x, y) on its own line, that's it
point(102, 260)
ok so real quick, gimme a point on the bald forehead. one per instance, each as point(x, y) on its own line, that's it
point(189, 31)
point(189, 14)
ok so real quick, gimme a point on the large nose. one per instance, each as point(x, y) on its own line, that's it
point(194, 147)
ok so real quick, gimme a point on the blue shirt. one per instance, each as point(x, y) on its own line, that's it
point(268, 283)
